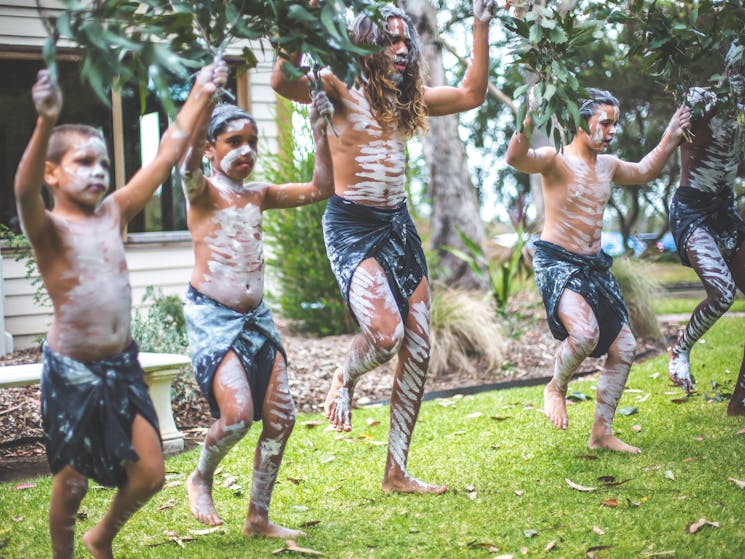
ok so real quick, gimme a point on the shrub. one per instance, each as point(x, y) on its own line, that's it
point(295, 251)
point(159, 326)
point(639, 290)
point(463, 332)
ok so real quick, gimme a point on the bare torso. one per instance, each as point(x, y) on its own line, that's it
point(369, 160)
point(575, 196)
point(226, 231)
point(709, 162)
point(85, 272)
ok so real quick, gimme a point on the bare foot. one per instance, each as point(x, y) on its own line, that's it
point(409, 484)
point(611, 443)
point(338, 405)
point(200, 500)
point(269, 530)
point(679, 369)
point(555, 405)
point(99, 550)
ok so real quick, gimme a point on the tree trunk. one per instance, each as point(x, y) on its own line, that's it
point(455, 203)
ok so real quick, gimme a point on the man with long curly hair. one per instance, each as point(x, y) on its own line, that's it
point(373, 246)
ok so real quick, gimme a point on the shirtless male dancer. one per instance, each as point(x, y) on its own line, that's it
point(708, 231)
point(99, 420)
point(583, 302)
point(238, 358)
point(373, 246)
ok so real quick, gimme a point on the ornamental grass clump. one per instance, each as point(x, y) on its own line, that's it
point(463, 333)
point(640, 291)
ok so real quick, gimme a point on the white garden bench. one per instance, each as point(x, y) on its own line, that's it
point(160, 370)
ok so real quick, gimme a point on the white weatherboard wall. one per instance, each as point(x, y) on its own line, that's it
point(166, 266)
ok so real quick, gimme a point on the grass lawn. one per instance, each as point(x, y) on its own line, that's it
point(506, 468)
point(675, 305)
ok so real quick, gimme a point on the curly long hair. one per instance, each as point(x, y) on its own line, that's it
point(396, 106)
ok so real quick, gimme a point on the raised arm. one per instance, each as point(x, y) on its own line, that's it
point(193, 180)
point(29, 177)
point(133, 197)
point(322, 186)
point(443, 100)
point(651, 164)
point(526, 159)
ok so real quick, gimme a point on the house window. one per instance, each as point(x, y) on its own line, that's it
point(132, 133)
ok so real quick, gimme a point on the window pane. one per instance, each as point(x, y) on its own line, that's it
point(18, 118)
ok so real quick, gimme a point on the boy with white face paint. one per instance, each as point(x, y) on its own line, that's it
point(583, 302)
point(238, 357)
point(372, 244)
point(99, 421)
point(708, 231)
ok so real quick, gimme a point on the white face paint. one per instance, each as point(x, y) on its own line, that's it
point(86, 167)
point(238, 153)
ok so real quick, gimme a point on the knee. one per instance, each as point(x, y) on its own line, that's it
point(623, 348)
point(279, 425)
point(387, 344)
point(237, 420)
point(73, 492)
point(149, 480)
point(584, 342)
point(725, 296)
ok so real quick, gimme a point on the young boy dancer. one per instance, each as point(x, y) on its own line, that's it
point(99, 421)
point(583, 302)
point(238, 358)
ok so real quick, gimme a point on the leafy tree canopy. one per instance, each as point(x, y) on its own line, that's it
point(149, 41)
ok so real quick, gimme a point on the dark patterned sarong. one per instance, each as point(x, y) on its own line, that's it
point(354, 232)
point(214, 329)
point(88, 409)
point(557, 269)
point(715, 212)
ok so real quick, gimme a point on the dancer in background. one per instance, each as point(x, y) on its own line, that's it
point(708, 231)
point(584, 305)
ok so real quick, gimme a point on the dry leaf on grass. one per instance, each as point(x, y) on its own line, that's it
point(740, 432)
point(577, 486)
point(598, 531)
point(176, 483)
point(169, 504)
point(22, 486)
point(314, 423)
point(293, 547)
point(206, 531)
point(592, 551)
point(372, 422)
point(610, 503)
point(550, 545)
point(700, 523)
point(490, 547)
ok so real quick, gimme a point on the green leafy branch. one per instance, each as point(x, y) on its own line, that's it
point(545, 43)
point(153, 41)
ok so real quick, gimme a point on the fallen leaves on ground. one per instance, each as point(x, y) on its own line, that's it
point(577, 486)
point(490, 547)
point(292, 547)
point(700, 523)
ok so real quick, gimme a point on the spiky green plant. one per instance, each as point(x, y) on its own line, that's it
point(463, 332)
point(640, 291)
